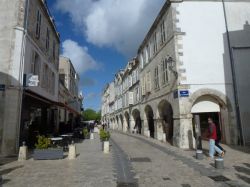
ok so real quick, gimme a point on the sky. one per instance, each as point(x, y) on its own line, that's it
point(100, 37)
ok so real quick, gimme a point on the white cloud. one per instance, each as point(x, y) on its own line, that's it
point(79, 56)
point(114, 23)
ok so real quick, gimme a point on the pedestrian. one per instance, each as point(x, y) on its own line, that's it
point(217, 141)
point(212, 138)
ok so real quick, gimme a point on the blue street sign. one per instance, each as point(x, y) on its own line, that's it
point(184, 93)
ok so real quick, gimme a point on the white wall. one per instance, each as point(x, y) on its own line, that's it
point(203, 47)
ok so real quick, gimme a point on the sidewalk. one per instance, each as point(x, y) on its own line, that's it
point(91, 168)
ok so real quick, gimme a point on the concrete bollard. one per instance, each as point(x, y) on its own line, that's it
point(72, 151)
point(164, 137)
point(106, 146)
point(219, 163)
point(92, 136)
point(199, 154)
point(23, 152)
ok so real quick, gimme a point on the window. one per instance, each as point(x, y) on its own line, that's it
point(143, 85)
point(137, 95)
point(156, 78)
point(38, 24)
point(47, 39)
point(163, 34)
point(164, 72)
point(35, 64)
point(53, 83)
point(142, 62)
point(45, 76)
point(148, 52)
point(155, 42)
point(148, 82)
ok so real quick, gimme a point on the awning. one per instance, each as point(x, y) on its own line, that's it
point(67, 107)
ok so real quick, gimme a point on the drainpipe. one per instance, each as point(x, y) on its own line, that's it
point(21, 69)
point(238, 118)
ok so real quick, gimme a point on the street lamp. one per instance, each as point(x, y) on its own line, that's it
point(171, 63)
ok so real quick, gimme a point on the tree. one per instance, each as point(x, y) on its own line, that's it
point(90, 114)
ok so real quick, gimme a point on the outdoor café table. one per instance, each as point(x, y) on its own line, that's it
point(56, 140)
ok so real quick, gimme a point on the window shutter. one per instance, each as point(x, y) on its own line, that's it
point(131, 98)
point(148, 86)
point(143, 90)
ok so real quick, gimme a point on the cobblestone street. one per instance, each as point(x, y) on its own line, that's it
point(134, 160)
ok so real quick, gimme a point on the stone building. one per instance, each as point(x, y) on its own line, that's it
point(193, 62)
point(28, 72)
point(69, 99)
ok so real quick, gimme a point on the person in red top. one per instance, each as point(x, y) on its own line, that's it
point(212, 138)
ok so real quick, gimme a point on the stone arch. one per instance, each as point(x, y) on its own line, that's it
point(165, 112)
point(149, 116)
point(220, 114)
point(137, 119)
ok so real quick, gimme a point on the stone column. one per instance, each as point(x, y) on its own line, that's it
point(125, 125)
point(158, 129)
point(183, 132)
point(132, 124)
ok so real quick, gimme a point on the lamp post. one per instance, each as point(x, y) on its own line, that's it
point(171, 63)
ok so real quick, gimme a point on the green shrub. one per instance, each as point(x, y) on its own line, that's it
point(85, 132)
point(42, 142)
point(104, 135)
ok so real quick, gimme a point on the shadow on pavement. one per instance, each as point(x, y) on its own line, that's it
point(6, 171)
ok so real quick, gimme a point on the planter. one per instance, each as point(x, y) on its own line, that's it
point(105, 146)
point(48, 154)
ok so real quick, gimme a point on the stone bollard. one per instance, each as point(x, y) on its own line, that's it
point(199, 154)
point(92, 136)
point(23, 152)
point(164, 137)
point(72, 151)
point(106, 146)
point(219, 163)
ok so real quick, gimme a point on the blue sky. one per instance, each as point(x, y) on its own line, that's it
point(100, 37)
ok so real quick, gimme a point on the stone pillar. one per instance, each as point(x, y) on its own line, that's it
point(125, 125)
point(183, 132)
point(132, 125)
point(146, 131)
point(158, 129)
point(164, 137)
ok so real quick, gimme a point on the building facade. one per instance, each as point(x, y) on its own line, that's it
point(192, 65)
point(70, 101)
point(29, 72)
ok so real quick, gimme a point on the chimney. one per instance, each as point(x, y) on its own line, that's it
point(247, 26)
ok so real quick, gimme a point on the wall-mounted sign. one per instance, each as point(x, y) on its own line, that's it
point(181, 93)
point(32, 80)
point(2, 87)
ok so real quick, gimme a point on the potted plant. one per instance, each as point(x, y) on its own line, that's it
point(104, 136)
point(44, 151)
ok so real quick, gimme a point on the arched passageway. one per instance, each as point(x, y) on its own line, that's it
point(166, 115)
point(150, 120)
point(137, 119)
point(208, 106)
